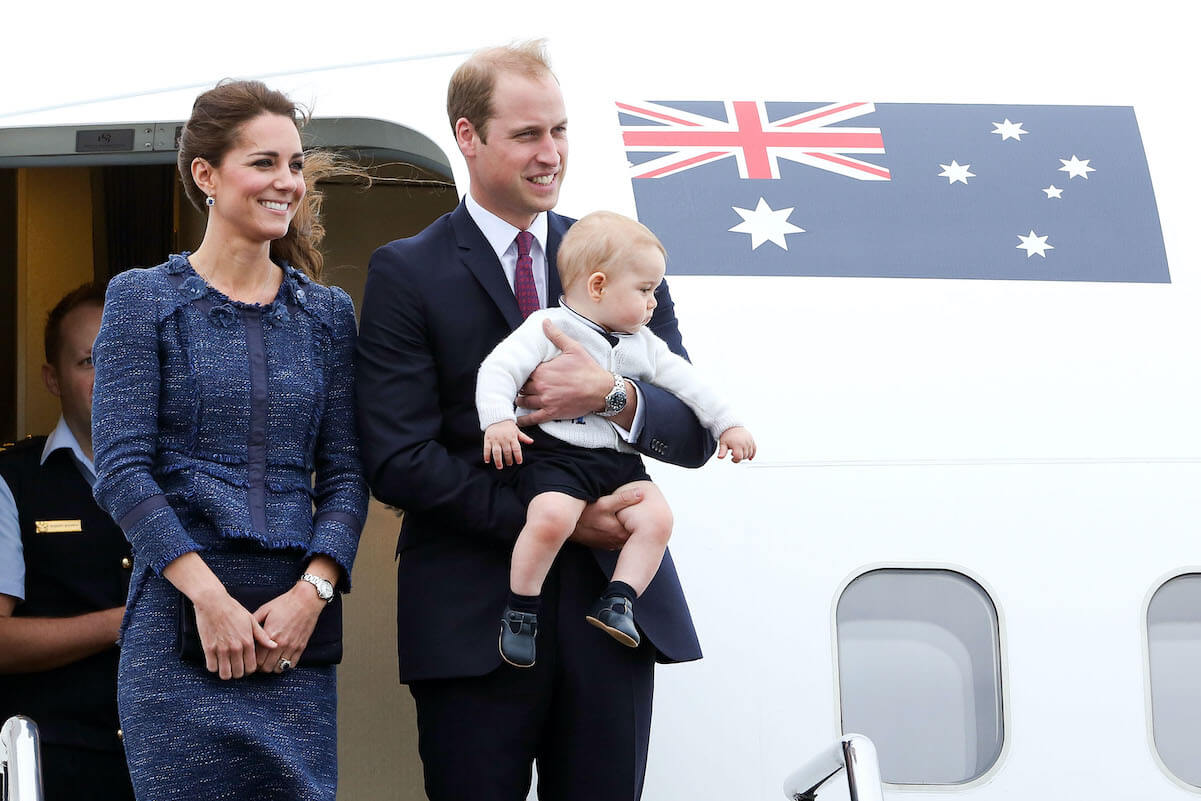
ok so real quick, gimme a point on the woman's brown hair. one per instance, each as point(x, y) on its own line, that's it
point(216, 122)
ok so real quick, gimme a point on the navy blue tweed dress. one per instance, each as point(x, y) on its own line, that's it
point(211, 417)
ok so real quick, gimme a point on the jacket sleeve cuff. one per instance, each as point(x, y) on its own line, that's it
point(155, 532)
point(336, 535)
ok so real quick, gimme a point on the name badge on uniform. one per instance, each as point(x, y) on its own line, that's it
point(58, 526)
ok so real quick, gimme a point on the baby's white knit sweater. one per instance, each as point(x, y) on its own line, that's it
point(640, 356)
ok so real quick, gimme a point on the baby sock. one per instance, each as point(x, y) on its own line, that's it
point(620, 588)
point(525, 603)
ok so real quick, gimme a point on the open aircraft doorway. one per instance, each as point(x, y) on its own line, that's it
point(83, 203)
point(86, 202)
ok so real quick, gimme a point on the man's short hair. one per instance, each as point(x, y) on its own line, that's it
point(469, 94)
point(80, 296)
point(601, 242)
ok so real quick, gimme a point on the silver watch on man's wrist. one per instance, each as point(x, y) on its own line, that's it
point(325, 590)
point(615, 401)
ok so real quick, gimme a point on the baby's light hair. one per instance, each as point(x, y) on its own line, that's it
point(602, 241)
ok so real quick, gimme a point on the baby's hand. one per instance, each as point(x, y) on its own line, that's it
point(738, 442)
point(502, 443)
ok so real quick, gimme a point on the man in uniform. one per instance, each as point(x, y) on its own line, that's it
point(64, 572)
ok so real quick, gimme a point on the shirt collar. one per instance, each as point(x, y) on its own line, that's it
point(612, 336)
point(61, 437)
point(500, 234)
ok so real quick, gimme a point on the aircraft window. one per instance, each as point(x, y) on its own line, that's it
point(919, 672)
point(1174, 653)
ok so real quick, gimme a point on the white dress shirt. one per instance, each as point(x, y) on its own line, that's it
point(503, 238)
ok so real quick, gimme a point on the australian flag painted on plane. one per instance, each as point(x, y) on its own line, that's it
point(903, 190)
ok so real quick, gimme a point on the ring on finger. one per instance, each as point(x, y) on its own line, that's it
point(284, 664)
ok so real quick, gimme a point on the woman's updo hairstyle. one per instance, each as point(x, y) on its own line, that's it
point(216, 122)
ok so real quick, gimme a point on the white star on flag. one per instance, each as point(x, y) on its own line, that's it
point(1009, 130)
point(1054, 191)
point(765, 225)
point(1034, 244)
point(955, 172)
point(1076, 167)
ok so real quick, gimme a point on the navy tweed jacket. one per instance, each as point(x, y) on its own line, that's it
point(211, 417)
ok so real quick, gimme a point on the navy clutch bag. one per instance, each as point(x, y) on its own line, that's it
point(325, 643)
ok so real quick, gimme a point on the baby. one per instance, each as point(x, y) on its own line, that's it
point(610, 267)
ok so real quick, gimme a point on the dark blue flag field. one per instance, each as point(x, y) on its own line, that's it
point(904, 190)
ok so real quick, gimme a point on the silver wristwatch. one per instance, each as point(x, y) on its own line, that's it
point(325, 590)
point(615, 401)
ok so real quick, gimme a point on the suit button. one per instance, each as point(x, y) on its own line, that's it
point(120, 734)
point(126, 563)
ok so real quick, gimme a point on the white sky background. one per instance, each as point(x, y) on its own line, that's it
point(1069, 52)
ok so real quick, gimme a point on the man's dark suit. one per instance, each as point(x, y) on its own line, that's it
point(434, 306)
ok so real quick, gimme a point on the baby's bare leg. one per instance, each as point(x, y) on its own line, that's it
point(649, 522)
point(549, 521)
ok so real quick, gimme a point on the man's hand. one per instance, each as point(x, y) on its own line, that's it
point(502, 443)
point(738, 442)
point(29, 644)
point(598, 526)
point(568, 386)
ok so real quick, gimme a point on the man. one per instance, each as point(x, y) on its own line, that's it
point(435, 305)
point(64, 572)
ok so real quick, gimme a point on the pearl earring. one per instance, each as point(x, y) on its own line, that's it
point(210, 201)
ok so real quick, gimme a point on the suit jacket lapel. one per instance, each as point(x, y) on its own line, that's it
point(479, 258)
point(556, 227)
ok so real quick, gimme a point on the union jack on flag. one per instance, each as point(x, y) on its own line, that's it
point(757, 143)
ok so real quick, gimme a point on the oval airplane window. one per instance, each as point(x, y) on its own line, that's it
point(1174, 655)
point(919, 672)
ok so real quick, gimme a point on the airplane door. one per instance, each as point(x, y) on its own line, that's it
point(82, 203)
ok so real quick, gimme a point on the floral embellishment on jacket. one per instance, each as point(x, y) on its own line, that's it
point(177, 263)
point(194, 287)
point(299, 296)
point(294, 281)
point(223, 315)
point(276, 314)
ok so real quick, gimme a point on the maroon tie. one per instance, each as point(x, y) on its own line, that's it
point(523, 280)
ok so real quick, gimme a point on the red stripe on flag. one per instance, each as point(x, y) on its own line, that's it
point(682, 164)
point(674, 140)
point(880, 171)
point(752, 139)
point(820, 114)
point(657, 115)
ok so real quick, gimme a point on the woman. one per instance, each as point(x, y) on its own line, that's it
point(223, 384)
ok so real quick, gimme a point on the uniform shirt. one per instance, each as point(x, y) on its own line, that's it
point(12, 560)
